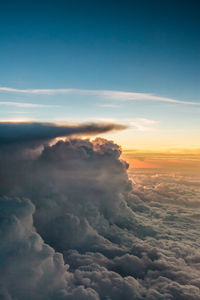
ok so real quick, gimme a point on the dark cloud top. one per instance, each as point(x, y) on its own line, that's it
point(11, 132)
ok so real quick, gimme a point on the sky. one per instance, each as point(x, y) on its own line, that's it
point(131, 62)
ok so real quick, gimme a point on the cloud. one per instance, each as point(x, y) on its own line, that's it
point(11, 132)
point(142, 124)
point(87, 232)
point(108, 94)
point(30, 269)
point(164, 188)
point(109, 105)
point(23, 104)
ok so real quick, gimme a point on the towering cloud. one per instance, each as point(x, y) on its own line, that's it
point(74, 227)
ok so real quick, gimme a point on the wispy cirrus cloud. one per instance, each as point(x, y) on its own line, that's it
point(108, 105)
point(107, 94)
point(143, 124)
point(22, 104)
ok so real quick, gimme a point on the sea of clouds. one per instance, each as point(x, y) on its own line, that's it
point(75, 225)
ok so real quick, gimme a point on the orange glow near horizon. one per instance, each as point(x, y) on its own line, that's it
point(139, 164)
point(170, 161)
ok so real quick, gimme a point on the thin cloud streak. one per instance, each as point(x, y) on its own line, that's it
point(143, 124)
point(108, 94)
point(22, 104)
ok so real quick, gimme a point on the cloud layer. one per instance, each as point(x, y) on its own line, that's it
point(74, 226)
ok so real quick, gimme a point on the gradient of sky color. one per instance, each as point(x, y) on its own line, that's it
point(145, 47)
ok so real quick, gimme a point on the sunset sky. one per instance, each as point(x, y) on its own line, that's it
point(100, 61)
point(99, 150)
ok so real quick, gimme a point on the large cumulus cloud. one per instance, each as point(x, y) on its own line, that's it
point(87, 232)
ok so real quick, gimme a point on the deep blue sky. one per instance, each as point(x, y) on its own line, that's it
point(139, 46)
point(151, 46)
